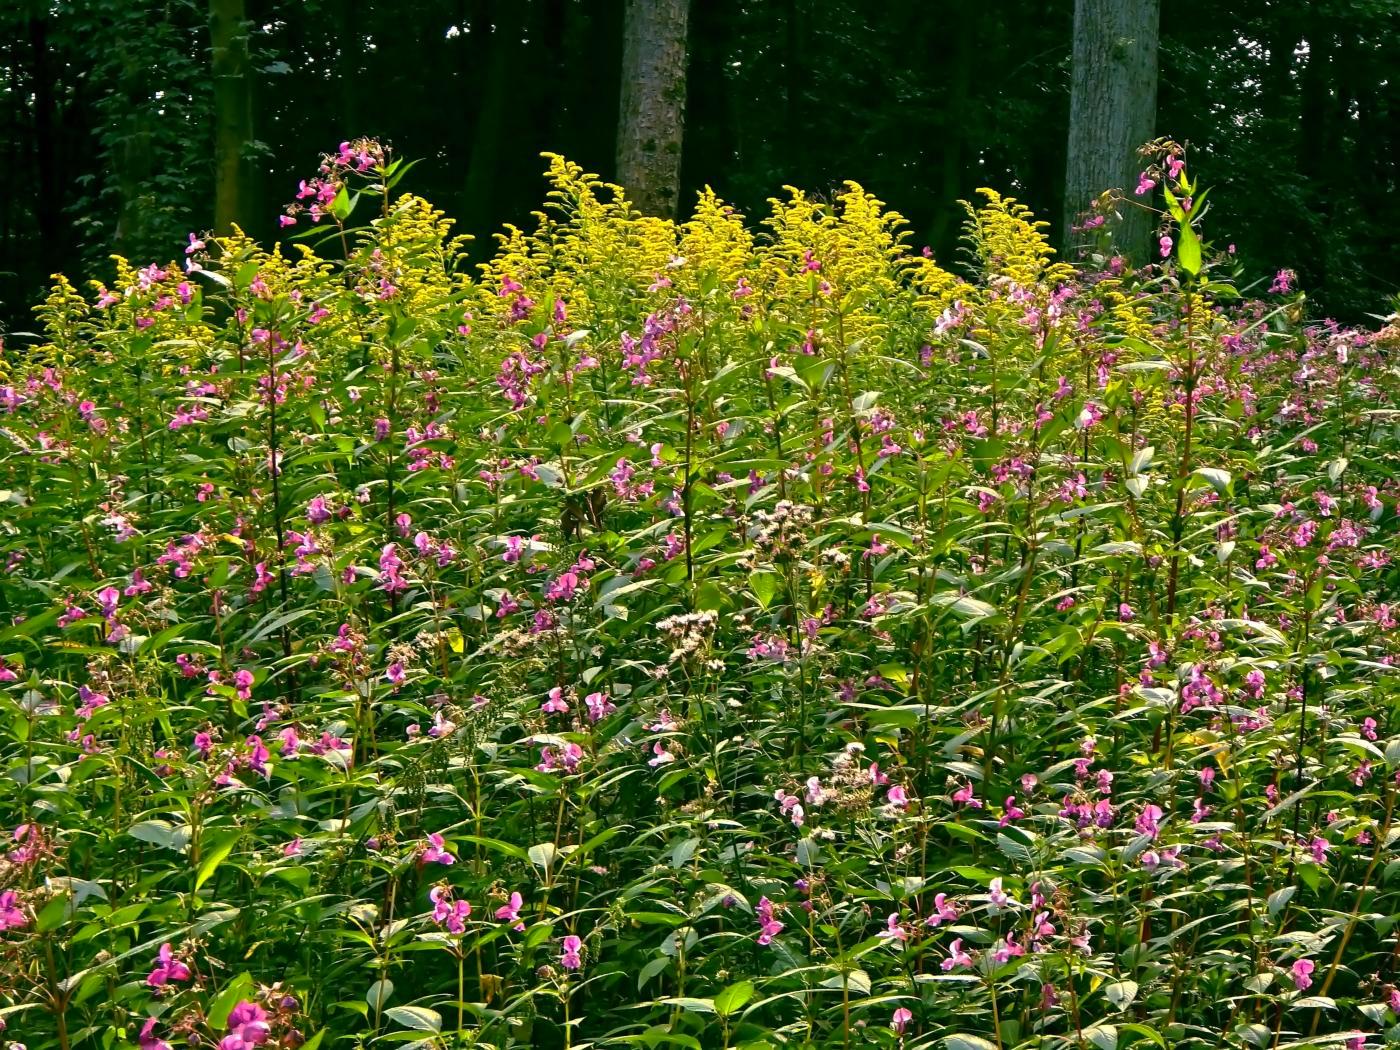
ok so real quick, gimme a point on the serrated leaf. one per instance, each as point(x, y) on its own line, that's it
point(226, 1000)
point(379, 993)
point(215, 856)
point(1188, 251)
point(968, 1042)
point(1121, 993)
point(543, 855)
point(733, 998)
point(418, 1018)
point(1219, 478)
point(1142, 459)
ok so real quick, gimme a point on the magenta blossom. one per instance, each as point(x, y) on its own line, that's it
point(435, 852)
point(956, 957)
point(12, 916)
point(148, 1040)
point(1302, 972)
point(510, 912)
point(769, 927)
point(569, 957)
point(168, 968)
point(452, 914)
point(247, 1027)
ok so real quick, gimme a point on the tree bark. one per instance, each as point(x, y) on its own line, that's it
point(651, 121)
point(1113, 109)
point(233, 111)
point(502, 23)
point(49, 200)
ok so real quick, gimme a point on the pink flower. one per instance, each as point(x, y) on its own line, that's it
point(148, 1039)
point(1165, 244)
point(448, 912)
point(168, 968)
point(569, 957)
point(1302, 974)
point(243, 683)
point(1319, 847)
point(566, 758)
point(1145, 184)
point(1148, 821)
point(599, 706)
point(964, 796)
point(893, 931)
point(1008, 949)
point(29, 842)
point(998, 896)
point(247, 1027)
point(1013, 812)
point(900, 1019)
point(12, 916)
point(435, 852)
point(943, 911)
point(510, 912)
point(956, 957)
point(769, 927)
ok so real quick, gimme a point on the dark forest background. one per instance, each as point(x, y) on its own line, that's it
point(1291, 110)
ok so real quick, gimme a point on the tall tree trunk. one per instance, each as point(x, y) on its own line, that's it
point(349, 46)
point(49, 199)
point(233, 111)
point(1318, 130)
point(502, 23)
point(952, 145)
point(651, 123)
point(1113, 109)
point(134, 159)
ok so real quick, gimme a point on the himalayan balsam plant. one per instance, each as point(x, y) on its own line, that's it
point(697, 635)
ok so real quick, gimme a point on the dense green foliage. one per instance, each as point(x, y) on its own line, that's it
point(696, 636)
point(1295, 104)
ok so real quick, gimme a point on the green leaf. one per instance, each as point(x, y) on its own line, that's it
point(508, 848)
point(1219, 478)
point(343, 204)
point(216, 856)
point(968, 1042)
point(734, 998)
point(419, 1018)
point(764, 586)
point(1143, 1032)
point(692, 1005)
point(543, 855)
point(55, 913)
point(1188, 250)
point(223, 1004)
point(379, 993)
point(964, 606)
point(1121, 993)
